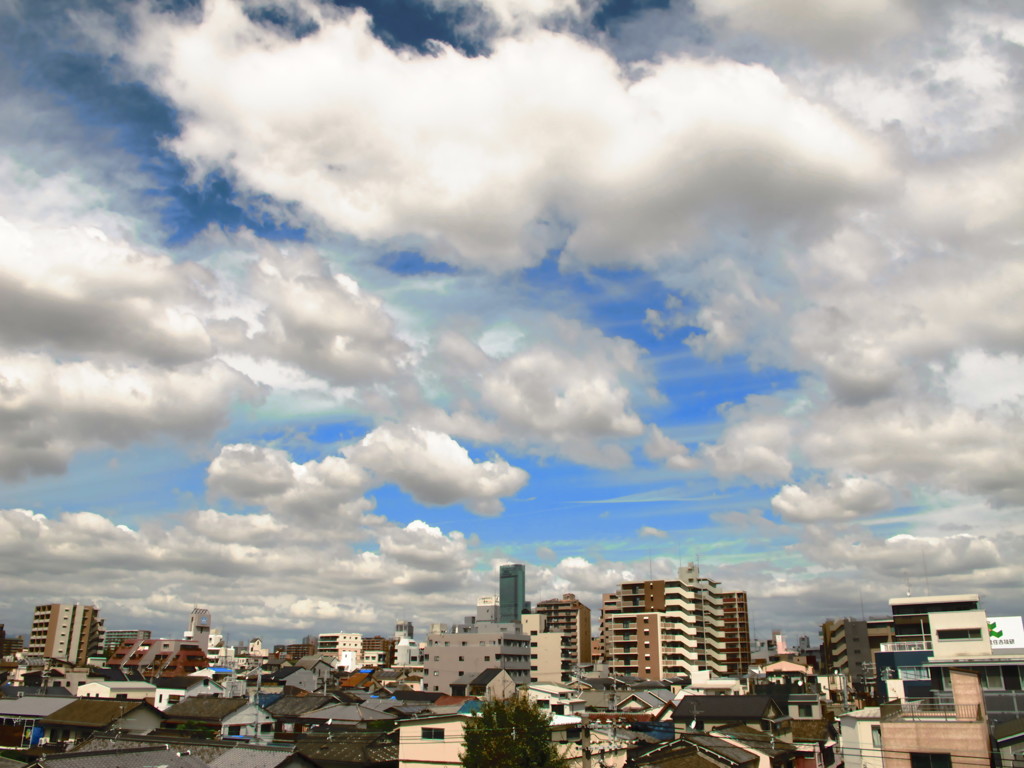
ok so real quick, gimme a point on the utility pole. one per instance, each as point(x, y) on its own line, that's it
point(585, 745)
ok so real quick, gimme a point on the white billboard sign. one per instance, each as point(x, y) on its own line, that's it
point(1006, 633)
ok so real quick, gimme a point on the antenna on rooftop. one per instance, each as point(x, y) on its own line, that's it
point(905, 573)
point(862, 616)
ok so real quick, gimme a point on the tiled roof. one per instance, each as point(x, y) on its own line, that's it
point(295, 706)
point(721, 707)
point(210, 708)
point(130, 758)
point(93, 713)
point(352, 748)
point(254, 757)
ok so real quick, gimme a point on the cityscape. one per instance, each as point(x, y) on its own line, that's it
point(511, 383)
point(671, 674)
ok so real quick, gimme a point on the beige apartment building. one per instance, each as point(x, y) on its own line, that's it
point(572, 618)
point(660, 628)
point(69, 632)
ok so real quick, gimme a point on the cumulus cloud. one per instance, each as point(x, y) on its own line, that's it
point(660, 447)
point(841, 499)
point(73, 288)
point(649, 531)
point(50, 410)
point(827, 27)
point(571, 394)
point(318, 320)
point(475, 154)
point(435, 469)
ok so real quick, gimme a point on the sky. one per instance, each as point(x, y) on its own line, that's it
point(314, 313)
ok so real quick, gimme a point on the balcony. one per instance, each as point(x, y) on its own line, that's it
point(930, 711)
point(916, 645)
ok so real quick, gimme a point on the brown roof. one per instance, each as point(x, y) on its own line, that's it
point(94, 713)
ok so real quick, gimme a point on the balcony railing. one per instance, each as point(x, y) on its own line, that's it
point(916, 645)
point(931, 710)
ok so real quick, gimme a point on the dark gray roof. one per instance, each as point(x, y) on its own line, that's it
point(258, 757)
point(350, 713)
point(352, 748)
point(723, 707)
point(210, 708)
point(721, 749)
point(125, 758)
point(31, 706)
point(181, 683)
point(295, 706)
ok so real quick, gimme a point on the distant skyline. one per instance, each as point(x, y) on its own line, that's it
point(315, 314)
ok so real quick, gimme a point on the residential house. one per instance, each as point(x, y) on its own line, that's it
point(289, 714)
point(81, 718)
point(492, 683)
point(431, 742)
point(126, 690)
point(231, 717)
point(705, 713)
point(19, 718)
point(171, 690)
point(928, 734)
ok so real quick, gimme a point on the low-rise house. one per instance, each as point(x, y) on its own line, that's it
point(19, 718)
point(556, 698)
point(860, 741)
point(81, 718)
point(431, 742)
point(492, 683)
point(289, 714)
point(171, 690)
point(352, 715)
point(291, 677)
point(352, 748)
point(706, 713)
point(231, 717)
point(126, 690)
point(139, 757)
point(939, 734)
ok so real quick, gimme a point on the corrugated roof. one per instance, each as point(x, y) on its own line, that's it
point(31, 706)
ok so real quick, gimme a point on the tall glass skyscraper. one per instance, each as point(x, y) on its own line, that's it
point(511, 592)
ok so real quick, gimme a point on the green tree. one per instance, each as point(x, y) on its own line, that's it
point(513, 733)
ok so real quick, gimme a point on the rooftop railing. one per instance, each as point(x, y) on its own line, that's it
point(930, 710)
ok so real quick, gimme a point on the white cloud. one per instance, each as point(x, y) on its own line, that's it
point(473, 154)
point(51, 409)
point(648, 531)
point(827, 27)
point(435, 469)
point(660, 447)
point(841, 499)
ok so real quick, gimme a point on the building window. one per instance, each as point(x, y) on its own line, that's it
point(930, 760)
point(432, 734)
point(876, 736)
point(967, 633)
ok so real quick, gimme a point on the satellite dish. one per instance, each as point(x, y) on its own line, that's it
point(330, 721)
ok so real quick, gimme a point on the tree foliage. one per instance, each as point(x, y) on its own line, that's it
point(513, 733)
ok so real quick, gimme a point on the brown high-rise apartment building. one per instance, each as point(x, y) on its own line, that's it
point(68, 632)
point(572, 618)
point(662, 628)
point(735, 634)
